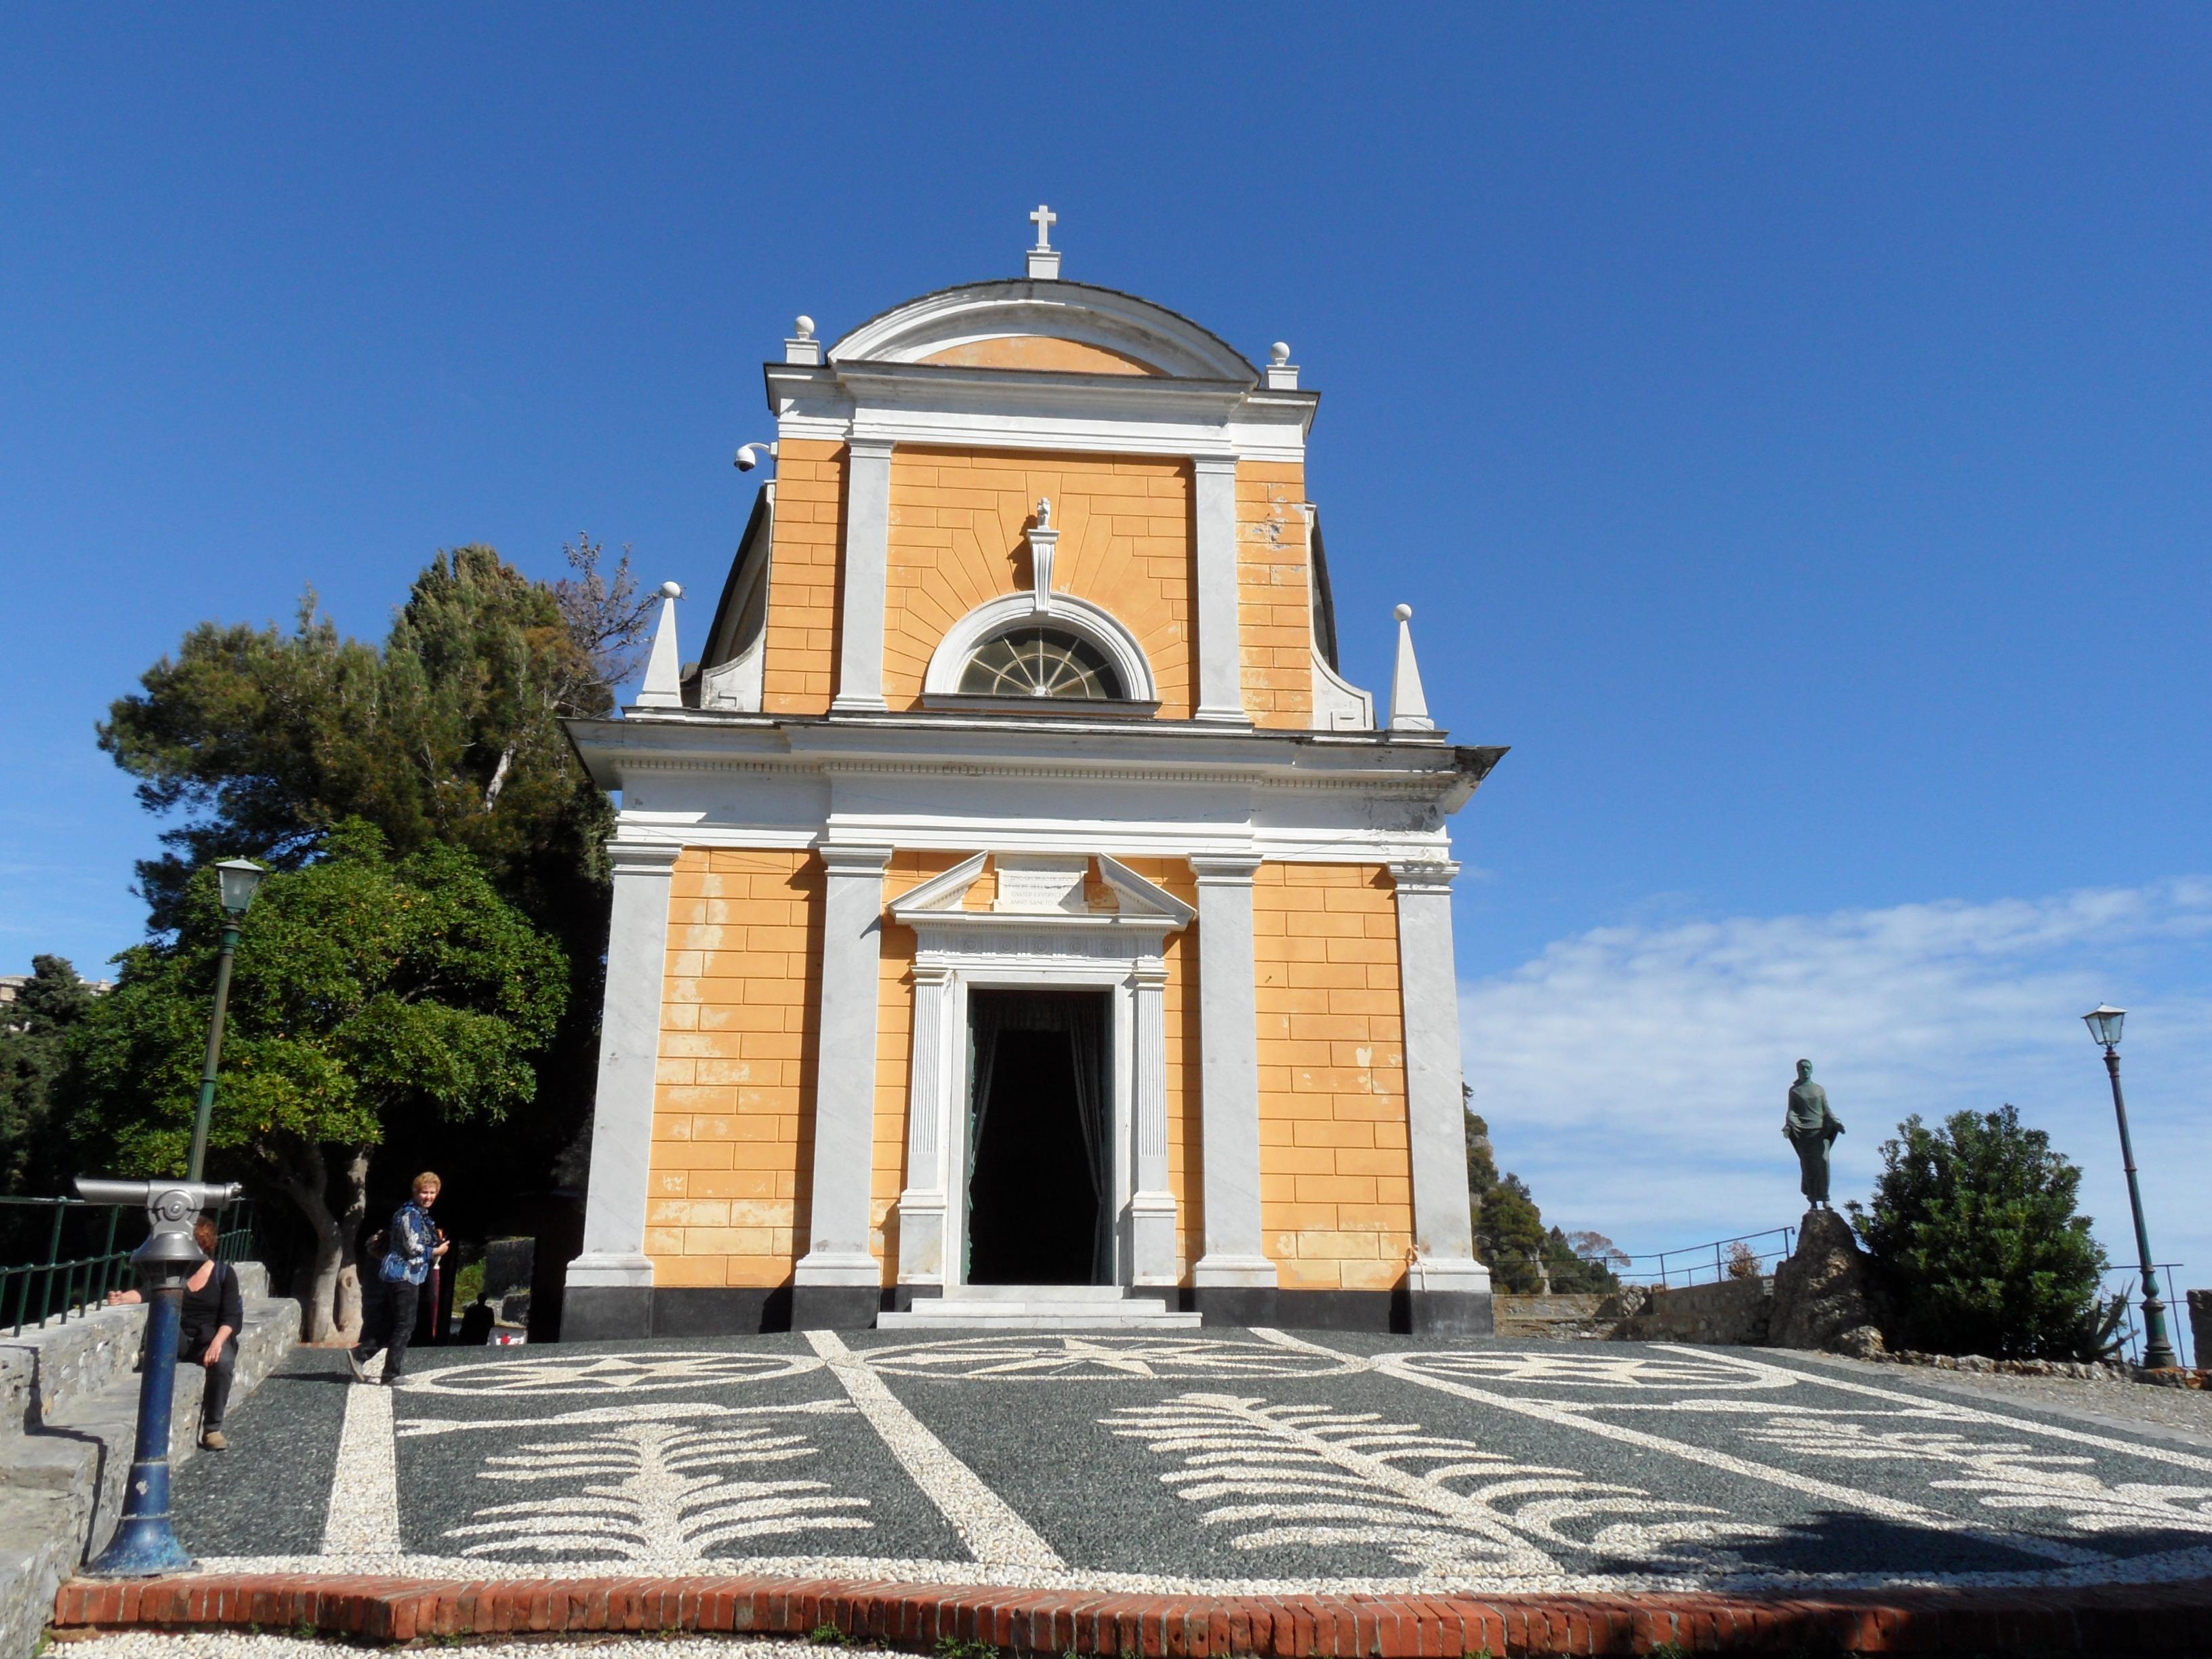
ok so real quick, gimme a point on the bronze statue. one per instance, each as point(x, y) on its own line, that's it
point(1811, 1127)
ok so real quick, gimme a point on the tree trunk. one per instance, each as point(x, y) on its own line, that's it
point(305, 1182)
point(346, 1304)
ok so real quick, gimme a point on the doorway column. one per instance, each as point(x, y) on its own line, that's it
point(922, 1205)
point(1450, 1290)
point(838, 1284)
point(609, 1286)
point(1235, 1281)
point(1151, 1204)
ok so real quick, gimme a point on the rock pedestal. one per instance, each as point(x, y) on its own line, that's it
point(1821, 1293)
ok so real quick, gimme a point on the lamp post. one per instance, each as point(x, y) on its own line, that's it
point(239, 879)
point(2104, 1024)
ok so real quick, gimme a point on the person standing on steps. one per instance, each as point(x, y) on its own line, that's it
point(214, 1313)
point(410, 1245)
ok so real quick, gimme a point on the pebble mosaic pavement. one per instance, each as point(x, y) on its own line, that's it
point(1223, 1462)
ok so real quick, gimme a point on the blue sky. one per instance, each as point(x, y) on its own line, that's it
point(1791, 427)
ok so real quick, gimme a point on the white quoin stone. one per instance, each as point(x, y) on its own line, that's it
point(1409, 704)
point(664, 670)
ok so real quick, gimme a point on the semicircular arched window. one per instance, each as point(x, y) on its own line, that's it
point(1041, 662)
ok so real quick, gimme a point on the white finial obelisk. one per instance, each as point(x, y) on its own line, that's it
point(1044, 258)
point(1409, 704)
point(664, 670)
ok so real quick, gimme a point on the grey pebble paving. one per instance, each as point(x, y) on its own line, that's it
point(1219, 1458)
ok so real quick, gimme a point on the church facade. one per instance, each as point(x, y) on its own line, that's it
point(1015, 909)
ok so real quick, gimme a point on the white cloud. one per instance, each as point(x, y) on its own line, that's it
point(1635, 1075)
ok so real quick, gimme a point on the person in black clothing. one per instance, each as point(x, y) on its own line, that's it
point(412, 1247)
point(214, 1313)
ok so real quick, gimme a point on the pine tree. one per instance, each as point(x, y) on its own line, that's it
point(1973, 1231)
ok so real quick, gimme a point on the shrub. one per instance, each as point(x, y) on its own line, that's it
point(1973, 1233)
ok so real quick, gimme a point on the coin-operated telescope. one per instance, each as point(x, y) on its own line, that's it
point(144, 1543)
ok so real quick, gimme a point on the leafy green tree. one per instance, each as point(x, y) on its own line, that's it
point(451, 733)
point(1973, 1232)
point(34, 1035)
point(255, 742)
point(365, 988)
point(1509, 1234)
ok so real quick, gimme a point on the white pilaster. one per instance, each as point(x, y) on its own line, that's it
point(1220, 649)
point(922, 1205)
point(867, 567)
point(1229, 1075)
point(1151, 1204)
point(1444, 1237)
point(845, 1074)
point(629, 1053)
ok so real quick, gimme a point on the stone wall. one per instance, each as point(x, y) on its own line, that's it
point(69, 1407)
point(1560, 1316)
point(1733, 1311)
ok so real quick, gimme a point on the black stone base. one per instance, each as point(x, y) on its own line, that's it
point(1451, 1313)
point(834, 1307)
point(607, 1313)
point(618, 1313)
point(736, 1310)
point(1232, 1305)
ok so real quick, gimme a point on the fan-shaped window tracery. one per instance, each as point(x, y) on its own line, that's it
point(1041, 662)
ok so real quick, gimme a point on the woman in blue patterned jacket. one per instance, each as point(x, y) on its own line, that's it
point(410, 1245)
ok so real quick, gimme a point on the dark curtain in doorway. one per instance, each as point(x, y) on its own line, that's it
point(1081, 1019)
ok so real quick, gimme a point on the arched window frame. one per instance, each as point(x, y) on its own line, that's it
point(1093, 625)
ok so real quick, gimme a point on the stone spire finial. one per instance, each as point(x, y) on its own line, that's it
point(664, 670)
point(1282, 372)
point(1044, 257)
point(1409, 704)
point(802, 347)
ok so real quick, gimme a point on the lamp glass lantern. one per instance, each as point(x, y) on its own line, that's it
point(2104, 1024)
point(240, 878)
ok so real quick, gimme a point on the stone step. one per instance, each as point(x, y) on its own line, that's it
point(925, 1318)
point(1109, 1293)
point(1143, 1307)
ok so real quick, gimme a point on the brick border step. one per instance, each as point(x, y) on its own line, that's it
point(2105, 1621)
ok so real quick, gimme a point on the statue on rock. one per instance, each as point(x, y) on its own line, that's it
point(1812, 1128)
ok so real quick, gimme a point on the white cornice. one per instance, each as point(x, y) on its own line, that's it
point(930, 405)
point(1120, 322)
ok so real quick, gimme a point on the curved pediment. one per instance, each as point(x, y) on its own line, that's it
point(1050, 325)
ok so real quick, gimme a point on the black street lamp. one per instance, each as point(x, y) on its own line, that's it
point(239, 879)
point(2104, 1022)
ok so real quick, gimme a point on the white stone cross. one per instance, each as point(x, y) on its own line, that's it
point(1044, 219)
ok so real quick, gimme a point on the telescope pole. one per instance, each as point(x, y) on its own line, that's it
point(145, 1544)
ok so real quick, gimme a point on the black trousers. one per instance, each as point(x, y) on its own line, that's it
point(393, 1328)
point(215, 1394)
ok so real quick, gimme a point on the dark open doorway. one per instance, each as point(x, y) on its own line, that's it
point(1039, 1187)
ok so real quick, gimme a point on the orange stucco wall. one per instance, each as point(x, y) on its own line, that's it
point(1274, 611)
point(732, 1126)
point(1040, 351)
point(1336, 1190)
point(799, 674)
point(959, 523)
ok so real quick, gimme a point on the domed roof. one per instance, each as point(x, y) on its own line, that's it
point(1024, 323)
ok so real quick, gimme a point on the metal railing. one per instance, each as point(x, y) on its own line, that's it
point(2177, 1308)
point(1706, 1263)
point(77, 1284)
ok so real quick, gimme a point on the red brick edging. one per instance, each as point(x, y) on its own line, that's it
point(2161, 1619)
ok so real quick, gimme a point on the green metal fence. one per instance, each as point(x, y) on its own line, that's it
point(56, 1286)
